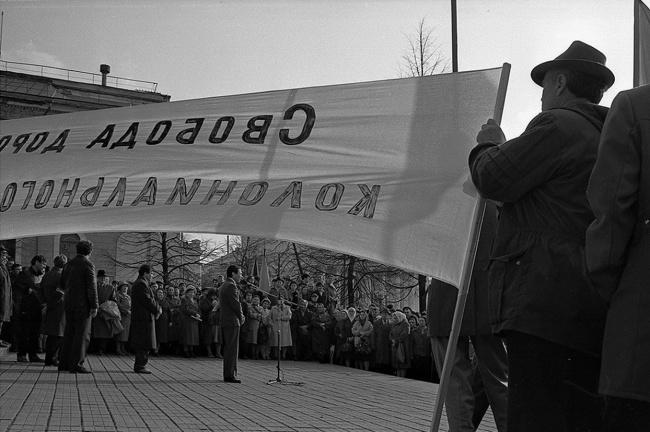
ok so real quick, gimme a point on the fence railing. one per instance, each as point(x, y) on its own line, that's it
point(78, 76)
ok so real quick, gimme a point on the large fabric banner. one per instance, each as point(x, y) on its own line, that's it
point(641, 44)
point(377, 170)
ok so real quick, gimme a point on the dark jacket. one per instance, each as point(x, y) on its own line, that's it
point(537, 282)
point(78, 278)
point(231, 311)
point(618, 244)
point(27, 301)
point(53, 296)
point(143, 312)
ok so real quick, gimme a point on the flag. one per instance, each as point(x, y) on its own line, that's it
point(641, 44)
point(377, 170)
point(256, 272)
point(265, 281)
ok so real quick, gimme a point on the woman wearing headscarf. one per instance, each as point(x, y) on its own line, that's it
point(362, 330)
point(163, 321)
point(263, 336)
point(399, 340)
point(344, 335)
point(189, 318)
point(280, 317)
point(173, 329)
point(123, 301)
point(254, 319)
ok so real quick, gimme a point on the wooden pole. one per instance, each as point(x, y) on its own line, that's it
point(466, 276)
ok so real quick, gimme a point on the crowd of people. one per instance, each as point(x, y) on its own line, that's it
point(303, 322)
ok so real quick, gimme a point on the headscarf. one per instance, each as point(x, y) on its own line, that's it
point(352, 313)
point(400, 316)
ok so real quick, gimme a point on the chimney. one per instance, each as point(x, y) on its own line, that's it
point(105, 70)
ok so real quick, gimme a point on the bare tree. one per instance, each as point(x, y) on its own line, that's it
point(423, 57)
point(173, 258)
point(424, 54)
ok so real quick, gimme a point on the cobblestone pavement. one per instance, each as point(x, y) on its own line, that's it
point(189, 395)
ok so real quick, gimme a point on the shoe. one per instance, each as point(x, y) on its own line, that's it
point(54, 362)
point(35, 359)
point(155, 354)
point(100, 353)
point(142, 371)
point(232, 380)
point(187, 355)
point(3, 344)
point(22, 359)
point(80, 369)
point(63, 368)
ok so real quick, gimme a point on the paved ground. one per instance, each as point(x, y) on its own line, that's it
point(188, 395)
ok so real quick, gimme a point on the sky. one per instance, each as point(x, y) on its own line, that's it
point(196, 49)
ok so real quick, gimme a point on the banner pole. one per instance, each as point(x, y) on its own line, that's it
point(466, 275)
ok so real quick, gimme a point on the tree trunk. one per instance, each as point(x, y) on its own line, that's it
point(350, 280)
point(165, 258)
point(295, 251)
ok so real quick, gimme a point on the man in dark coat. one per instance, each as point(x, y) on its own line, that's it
point(144, 311)
point(540, 299)
point(300, 321)
point(26, 288)
point(618, 257)
point(230, 320)
point(6, 297)
point(489, 351)
point(80, 305)
point(54, 313)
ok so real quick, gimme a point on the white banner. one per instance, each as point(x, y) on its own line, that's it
point(377, 170)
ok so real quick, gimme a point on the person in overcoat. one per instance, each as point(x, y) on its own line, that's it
point(320, 332)
point(253, 319)
point(26, 289)
point(123, 301)
point(539, 296)
point(301, 332)
point(6, 297)
point(399, 342)
point(344, 338)
point(618, 258)
point(173, 332)
point(231, 319)
point(209, 328)
point(144, 310)
point(80, 305)
point(102, 331)
point(163, 322)
point(54, 319)
point(380, 342)
point(280, 320)
point(362, 331)
point(190, 315)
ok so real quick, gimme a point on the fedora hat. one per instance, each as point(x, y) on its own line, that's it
point(579, 57)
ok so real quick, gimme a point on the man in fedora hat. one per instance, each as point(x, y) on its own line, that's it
point(539, 297)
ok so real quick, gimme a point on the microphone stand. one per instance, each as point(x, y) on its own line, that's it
point(278, 380)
